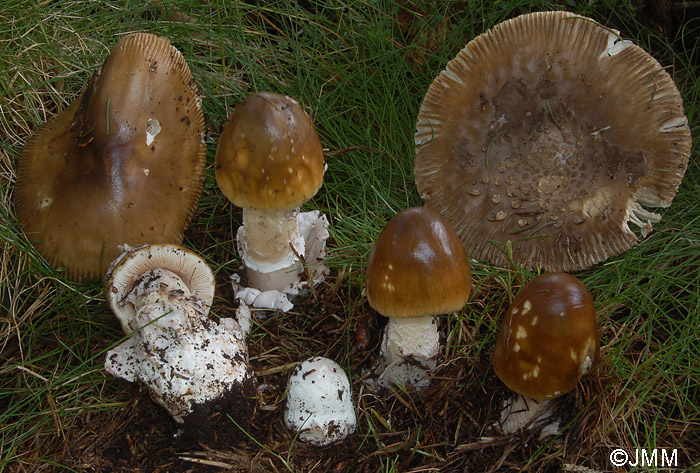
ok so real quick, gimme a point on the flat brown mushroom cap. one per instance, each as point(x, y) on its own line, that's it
point(124, 163)
point(549, 337)
point(269, 155)
point(417, 267)
point(550, 132)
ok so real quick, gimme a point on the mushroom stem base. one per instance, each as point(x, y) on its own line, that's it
point(410, 348)
point(274, 280)
point(524, 412)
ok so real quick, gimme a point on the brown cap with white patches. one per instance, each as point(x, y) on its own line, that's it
point(549, 338)
point(269, 156)
point(553, 133)
point(417, 267)
point(123, 163)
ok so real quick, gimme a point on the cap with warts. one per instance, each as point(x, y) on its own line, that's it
point(417, 267)
point(549, 337)
point(124, 163)
point(269, 155)
point(125, 272)
point(551, 132)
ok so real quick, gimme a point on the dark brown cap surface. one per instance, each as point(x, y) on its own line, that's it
point(549, 337)
point(124, 163)
point(417, 267)
point(269, 155)
point(552, 133)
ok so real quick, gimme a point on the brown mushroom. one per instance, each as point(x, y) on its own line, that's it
point(549, 338)
point(551, 133)
point(417, 268)
point(124, 163)
point(269, 161)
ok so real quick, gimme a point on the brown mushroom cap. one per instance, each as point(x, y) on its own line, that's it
point(417, 267)
point(269, 156)
point(550, 132)
point(124, 163)
point(549, 337)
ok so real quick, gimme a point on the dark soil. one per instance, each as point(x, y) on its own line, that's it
point(446, 428)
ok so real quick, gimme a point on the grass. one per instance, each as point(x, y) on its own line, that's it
point(361, 69)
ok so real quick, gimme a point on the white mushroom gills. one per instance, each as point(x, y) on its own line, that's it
point(319, 402)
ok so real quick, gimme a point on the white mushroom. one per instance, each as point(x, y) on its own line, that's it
point(191, 365)
point(319, 402)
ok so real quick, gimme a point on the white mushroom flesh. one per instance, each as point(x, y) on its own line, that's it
point(176, 351)
point(520, 412)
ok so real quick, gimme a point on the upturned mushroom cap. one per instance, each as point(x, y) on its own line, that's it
point(417, 267)
point(269, 155)
point(551, 132)
point(124, 163)
point(549, 337)
point(126, 271)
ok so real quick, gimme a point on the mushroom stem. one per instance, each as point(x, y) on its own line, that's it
point(156, 287)
point(523, 411)
point(410, 348)
point(269, 242)
point(189, 364)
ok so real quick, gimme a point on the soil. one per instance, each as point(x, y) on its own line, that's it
point(448, 427)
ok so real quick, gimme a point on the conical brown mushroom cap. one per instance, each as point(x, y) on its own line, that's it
point(124, 163)
point(269, 156)
point(550, 132)
point(417, 267)
point(549, 337)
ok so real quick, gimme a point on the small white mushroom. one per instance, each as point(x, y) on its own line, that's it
point(319, 402)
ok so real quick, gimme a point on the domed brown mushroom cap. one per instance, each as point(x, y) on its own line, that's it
point(122, 164)
point(417, 267)
point(269, 156)
point(549, 337)
point(550, 132)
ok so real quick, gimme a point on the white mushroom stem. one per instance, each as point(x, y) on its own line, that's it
point(265, 244)
point(522, 411)
point(158, 288)
point(182, 357)
point(410, 348)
